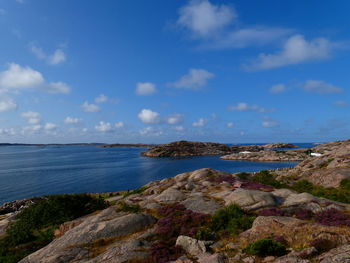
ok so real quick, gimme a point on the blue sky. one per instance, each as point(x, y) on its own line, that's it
point(157, 71)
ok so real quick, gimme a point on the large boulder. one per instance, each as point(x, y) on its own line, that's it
point(250, 199)
point(295, 231)
point(170, 195)
point(192, 246)
point(199, 203)
point(336, 255)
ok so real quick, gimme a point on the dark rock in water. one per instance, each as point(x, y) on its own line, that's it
point(187, 148)
point(18, 205)
point(279, 145)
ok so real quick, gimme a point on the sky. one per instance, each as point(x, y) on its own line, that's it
point(155, 71)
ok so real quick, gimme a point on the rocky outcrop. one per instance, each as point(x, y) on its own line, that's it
point(76, 243)
point(268, 156)
point(112, 236)
point(18, 205)
point(186, 148)
point(279, 145)
point(329, 168)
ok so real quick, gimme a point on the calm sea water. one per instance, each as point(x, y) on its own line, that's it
point(27, 171)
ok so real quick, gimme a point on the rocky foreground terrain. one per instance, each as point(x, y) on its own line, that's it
point(208, 216)
point(162, 224)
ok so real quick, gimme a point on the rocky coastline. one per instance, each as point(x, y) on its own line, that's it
point(209, 216)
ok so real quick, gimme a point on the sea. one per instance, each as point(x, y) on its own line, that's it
point(28, 171)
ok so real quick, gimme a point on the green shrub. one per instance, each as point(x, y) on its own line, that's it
point(124, 207)
point(266, 247)
point(303, 186)
point(267, 178)
point(231, 219)
point(136, 191)
point(243, 176)
point(345, 184)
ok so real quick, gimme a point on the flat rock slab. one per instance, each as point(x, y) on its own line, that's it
point(336, 255)
point(93, 229)
point(170, 195)
point(201, 204)
point(250, 199)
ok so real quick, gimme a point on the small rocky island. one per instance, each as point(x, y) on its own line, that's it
point(189, 148)
point(298, 215)
point(279, 145)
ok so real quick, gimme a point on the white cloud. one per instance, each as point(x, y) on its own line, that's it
point(17, 78)
point(204, 18)
point(296, 50)
point(56, 58)
point(108, 127)
point(71, 120)
point(104, 127)
point(249, 36)
point(218, 27)
point(175, 119)
point(7, 104)
point(341, 103)
point(179, 128)
point(269, 123)
point(145, 88)
point(243, 106)
point(34, 120)
point(87, 107)
point(200, 123)
point(10, 131)
point(30, 114)
point(32, 117)
point(321, 87)
point(101, 98)
point(149, 116)
point(230, 125)
point(278, 88)
point(195, 79)
point(58, 88)
point(119, 124)
point(151, 131)
point(50, 126)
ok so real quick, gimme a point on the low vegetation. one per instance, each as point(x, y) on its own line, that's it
point(136, 191)
point(124, 207)
point(266, 247)
point(34, 226)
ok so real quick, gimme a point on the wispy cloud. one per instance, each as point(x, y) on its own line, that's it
point(321, 87)
point(57, 57)
point(89, 107)
point(145, 88)
point(278, 88)
point(243, 107)
point(200, 123)
point(195, 79)
point(341, 103)
point(217, 26)
point(295, 50)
